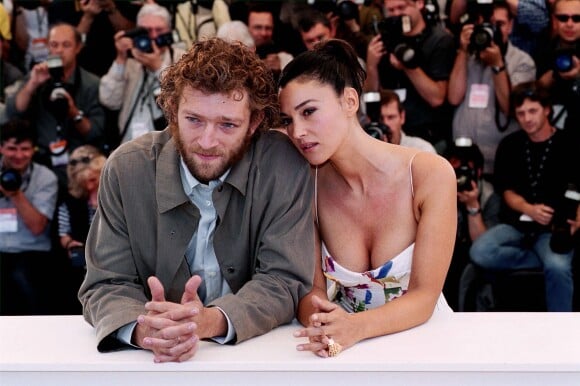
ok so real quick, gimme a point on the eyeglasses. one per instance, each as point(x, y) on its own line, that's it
point(76, 161)
point(564, 18)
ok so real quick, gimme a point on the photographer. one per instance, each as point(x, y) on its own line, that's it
point(392, 116)
point(478, 209)
point(533, 168)
point(563, 79)
point(261, 26)
point(421, 82)
point(486, 67)
point(132, 83)
point(28, 193)
point(61, 101)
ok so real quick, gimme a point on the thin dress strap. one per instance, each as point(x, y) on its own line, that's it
point(411, 173)
point(316, 195)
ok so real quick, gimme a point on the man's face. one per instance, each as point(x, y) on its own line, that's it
point(568, 30)
point(155, 25)
point(502, 21)
point(261, 26)
point(318, 33)
point(213, 131)
point(392, 117)
point(411, 8)
point(533, 117)
point(62, 42)
point(16, 155)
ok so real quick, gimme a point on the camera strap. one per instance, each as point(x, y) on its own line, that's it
point(497, 117)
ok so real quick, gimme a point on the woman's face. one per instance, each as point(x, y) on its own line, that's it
point(314, 118)
point(91, 182)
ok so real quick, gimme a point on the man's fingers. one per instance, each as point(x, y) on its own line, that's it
point(171, 311)
point(190, 291)
point(156, 288)
point(158, 323)
point(177, 353)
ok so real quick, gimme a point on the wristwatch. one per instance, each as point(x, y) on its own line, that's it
point(498, 69)
point(473, 211)
point(79, 116)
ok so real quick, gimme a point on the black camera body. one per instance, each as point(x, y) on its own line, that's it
point(563, 58)
point(10, 180)
point(464, 152)
point(484, 34)
point(465, 175)
point(561, 240)
point(392, 30)
point(375, 128)
point(143, 43)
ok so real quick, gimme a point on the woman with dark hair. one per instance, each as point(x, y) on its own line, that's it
point(385, 214)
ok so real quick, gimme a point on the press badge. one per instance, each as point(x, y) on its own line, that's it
point(478, 96)
point(8, 220)
point(402, 93)
point(59, 156)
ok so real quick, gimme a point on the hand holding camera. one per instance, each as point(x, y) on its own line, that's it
point(141, 47)
point(10, 182)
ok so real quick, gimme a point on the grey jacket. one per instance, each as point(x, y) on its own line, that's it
point(264, 239)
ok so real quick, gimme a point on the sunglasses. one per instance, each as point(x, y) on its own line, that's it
point(564, 18)
point(76, 161)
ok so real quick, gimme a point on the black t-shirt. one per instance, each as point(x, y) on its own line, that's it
point(437, 52)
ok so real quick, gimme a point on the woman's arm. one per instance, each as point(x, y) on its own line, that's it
point(435, 206)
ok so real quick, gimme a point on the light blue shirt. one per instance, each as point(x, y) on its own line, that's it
point(200, 253)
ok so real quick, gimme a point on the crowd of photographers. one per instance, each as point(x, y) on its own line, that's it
point(441, 77)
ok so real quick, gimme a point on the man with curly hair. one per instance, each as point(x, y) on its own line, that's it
point(203, 230)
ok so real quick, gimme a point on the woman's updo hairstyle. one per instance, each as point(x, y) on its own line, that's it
point(332, 62)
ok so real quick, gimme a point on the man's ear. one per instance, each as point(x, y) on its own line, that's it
point(257, 118)
point(351, 100)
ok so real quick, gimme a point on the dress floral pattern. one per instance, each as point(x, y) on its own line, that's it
point(356, 291)
point(360, 291)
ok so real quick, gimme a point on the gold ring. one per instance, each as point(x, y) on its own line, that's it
point(333, 348)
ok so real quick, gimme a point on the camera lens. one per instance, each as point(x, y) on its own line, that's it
point(10, 180)
point(374, 130)
point(563, 62)
point(143, 43)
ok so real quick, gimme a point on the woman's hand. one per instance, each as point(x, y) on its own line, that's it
point(331, 321)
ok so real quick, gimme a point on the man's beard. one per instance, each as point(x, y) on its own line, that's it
point(205, 172)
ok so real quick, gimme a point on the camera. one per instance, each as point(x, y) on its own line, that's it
point(392, 30)
point(143, 43)
point(347, 10)
point(55, 69)
point(77, 256)
point(564, 57)
point(483, 35)
point(465, 173)
point(266, 49)
point(561, 240)
point(11, 180)
point(375, 128)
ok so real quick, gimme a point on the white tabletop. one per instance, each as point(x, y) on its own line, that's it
point(477, 348)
